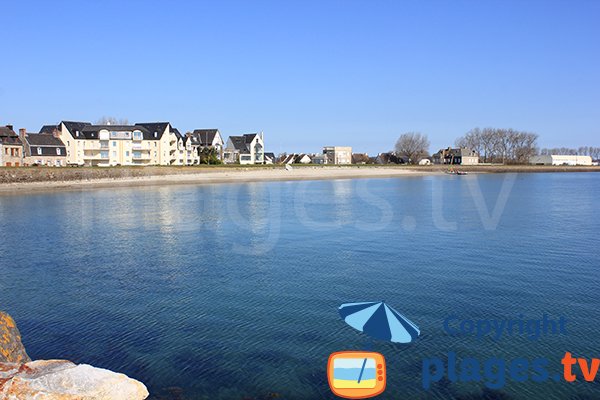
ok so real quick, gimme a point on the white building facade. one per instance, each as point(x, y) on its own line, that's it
point(561, 160)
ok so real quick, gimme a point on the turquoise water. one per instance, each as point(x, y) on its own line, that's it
point(231, 291)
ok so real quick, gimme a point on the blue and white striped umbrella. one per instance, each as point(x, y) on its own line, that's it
point(379, 321)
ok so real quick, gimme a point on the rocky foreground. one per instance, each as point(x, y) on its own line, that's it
point(21, 378)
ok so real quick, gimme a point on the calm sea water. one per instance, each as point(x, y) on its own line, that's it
point(231, 291)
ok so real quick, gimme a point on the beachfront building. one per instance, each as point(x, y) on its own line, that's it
point(360, 158)
point(270, 158)
point(388, 158)
point(319, 159)
point(11, 147)
point(141, 144)
point(245, 149)
point(561, 160)
point(205, 142)
point(458, 156)
point(337, 155)
point(297, 159)
point(44, 149)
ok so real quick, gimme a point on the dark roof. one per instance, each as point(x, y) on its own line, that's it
point(6, 131)
point(49, 128)
point(205, 136)
point(152, 127)
point(43, 139)
point(92, 131)
point(89, 131)
point(239, 143)
point(270, 155)
point(13, 140)
point(46, 143)
point(456, 152)
point(74, 126)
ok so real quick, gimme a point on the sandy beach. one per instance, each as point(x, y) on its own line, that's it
point(31, 180)
point(213, 176)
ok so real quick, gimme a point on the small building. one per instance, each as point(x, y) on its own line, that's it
point(337, 155)
point(205, 141)
point(319, 159)
point(297, 159)
point(388, 158)
point(458, 156)
point(245, 149)
point(360, 158)
point(270, 158)
point(561, 160)
point(43, 149)
point(11, 147)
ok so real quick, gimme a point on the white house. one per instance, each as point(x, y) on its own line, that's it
point(245, 149)
point(561, 160)
point(201, 139)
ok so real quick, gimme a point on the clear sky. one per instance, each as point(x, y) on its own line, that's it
point(308, 73)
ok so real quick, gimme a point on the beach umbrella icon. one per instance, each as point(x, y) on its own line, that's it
point(379, 321)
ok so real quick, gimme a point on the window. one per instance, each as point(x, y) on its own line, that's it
point(68, 143)
point(155, 134)
point(77, 133)
point(127, 154)
point(39, 151)
point(58, 151)
point(137, 135)
point(114, 154)
point(104, 154)
point(114, 144)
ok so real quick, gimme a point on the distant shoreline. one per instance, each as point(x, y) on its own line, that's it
point(15, 181)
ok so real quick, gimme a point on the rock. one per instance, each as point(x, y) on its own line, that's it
point(11, 348)
point(63, 380)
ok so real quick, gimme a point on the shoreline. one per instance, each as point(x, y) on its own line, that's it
point(203, 177)
point(78, 179)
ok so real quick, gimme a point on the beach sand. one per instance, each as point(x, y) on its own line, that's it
point(207, 176)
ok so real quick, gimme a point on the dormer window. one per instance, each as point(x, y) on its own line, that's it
point(77, 133)
point(155, 134)
point(58, 151)
point(39, 151)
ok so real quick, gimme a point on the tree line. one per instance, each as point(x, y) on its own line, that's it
point(495, 145)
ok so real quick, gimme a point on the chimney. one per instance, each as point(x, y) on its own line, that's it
point(10, 127)
point(22, 134)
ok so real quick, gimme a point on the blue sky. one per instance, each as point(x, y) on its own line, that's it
point(308, 73)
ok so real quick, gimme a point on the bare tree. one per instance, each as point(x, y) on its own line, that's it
point(112, 121)
point(412, 146)
point(500, 145)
